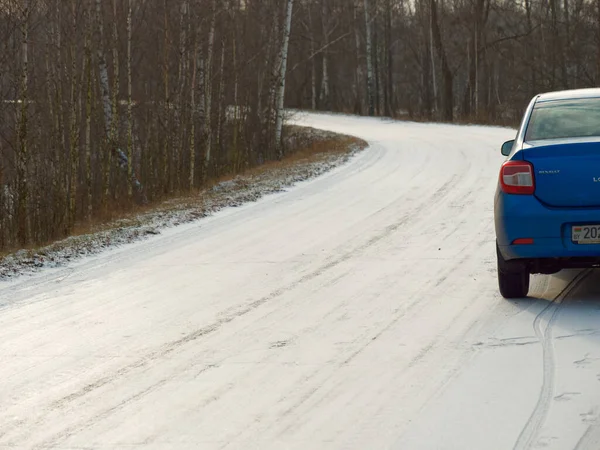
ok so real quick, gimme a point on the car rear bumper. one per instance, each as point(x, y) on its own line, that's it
point(524, 217)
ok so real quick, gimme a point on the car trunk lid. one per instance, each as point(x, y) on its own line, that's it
point(567, 173)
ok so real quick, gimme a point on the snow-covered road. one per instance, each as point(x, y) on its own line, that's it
point(356, 311)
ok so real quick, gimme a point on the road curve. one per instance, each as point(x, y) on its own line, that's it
point(356, 311)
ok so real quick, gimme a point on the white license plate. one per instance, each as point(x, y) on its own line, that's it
point(586, 234)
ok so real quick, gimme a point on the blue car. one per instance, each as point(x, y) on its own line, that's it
point(547, 204)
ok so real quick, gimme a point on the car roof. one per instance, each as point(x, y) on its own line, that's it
point(570, 94)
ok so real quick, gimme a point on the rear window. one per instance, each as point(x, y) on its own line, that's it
point(564, 119)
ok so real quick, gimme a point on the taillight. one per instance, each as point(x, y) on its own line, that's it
point(516, 177)
point(523, 241)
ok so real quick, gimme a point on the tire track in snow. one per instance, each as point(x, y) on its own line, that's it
point(531, 429)
point(590, 439)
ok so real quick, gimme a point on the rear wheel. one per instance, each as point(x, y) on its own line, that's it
point(513, 280)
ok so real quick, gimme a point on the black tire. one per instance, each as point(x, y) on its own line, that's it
point(512, 281)
point(513, 284)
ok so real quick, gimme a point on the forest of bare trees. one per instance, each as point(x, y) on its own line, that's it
point(111, 103)
point(448, 60)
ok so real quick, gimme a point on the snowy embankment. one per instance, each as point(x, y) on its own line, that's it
point(244, 188)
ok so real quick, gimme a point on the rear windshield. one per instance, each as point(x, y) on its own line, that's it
point(564, 119)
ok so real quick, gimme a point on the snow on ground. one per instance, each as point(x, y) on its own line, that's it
point(358, 310)
point(232, 193)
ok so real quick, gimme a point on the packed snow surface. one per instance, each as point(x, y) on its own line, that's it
point(355, 311)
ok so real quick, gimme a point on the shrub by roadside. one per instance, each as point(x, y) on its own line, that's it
point(319, 151)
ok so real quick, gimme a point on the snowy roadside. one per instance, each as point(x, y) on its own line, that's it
point(332, 151)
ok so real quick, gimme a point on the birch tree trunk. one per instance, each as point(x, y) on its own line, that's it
point(208, 92)
point(73, 133)
point(221, 98)
point(531, 53)
point(236, 105)
point(181, 82)
point(166, 147)
point(53, 53)
point(130, 176)
point(313, 66)
point(282, 75)
point(275, 69)
point(201, 113)
point(566, 47)
point(88, 125)
point(324, 93)
point(389, 105)
point(447, 76)
point(376, 64)
point(114, 126)
point(23, 150)
point(434, 103)
point(357, 70)
point(194, 112)
point(370, 75)
point(106, 102)
point(554, 39)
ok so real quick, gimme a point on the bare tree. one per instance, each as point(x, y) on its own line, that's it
point(23, 138)
point(283, 58)
point(447, 77)
point(370, 69)
point(130, 175)
point(89, 97)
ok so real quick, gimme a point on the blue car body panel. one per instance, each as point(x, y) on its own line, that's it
point(567, 193)
point(524, 216)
